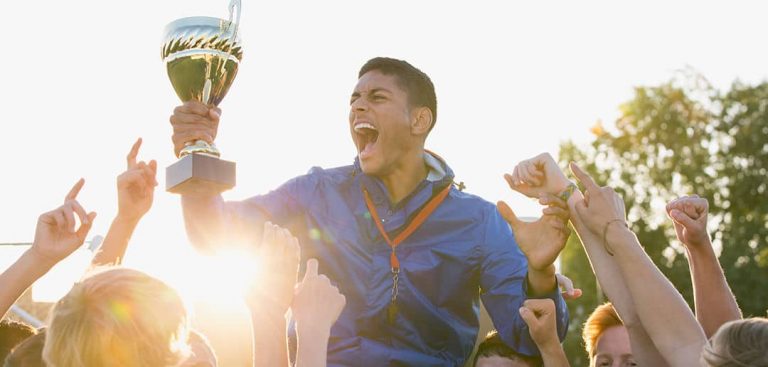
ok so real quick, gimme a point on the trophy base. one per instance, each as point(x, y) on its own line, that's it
point(199, 174)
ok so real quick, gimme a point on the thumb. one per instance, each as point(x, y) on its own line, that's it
point(682, 219)
point(311, 270)
point(529, 317)
point(507, 213)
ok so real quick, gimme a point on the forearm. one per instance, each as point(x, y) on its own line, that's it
point(112, 251)
point(660, 307)
point(554, 356)
point(270, 347)
point(312, 348)
point(612, 283)
point(541, 282)
point(206, 221)
point(20, 276)
point(643, 349)
point(606, 270)
point(715, 303)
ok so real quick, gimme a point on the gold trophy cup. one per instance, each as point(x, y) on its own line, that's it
point(202, 55)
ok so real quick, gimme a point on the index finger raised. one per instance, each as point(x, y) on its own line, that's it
point(75, 190)
point(583, 177)
point(311, 269)
point(131, 157)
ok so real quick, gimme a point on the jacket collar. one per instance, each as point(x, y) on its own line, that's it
point(440, 175)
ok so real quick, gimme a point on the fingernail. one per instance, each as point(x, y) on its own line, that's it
point(522, 310)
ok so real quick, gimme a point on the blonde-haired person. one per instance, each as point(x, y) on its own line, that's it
point(606, 339)
point(117, 317)
point(738, 343)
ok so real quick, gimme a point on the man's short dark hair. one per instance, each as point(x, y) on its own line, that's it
point(11, 334)
point(492, 346)
point(418, 86)
point(29, 353)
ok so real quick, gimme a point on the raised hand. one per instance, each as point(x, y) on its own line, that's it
point(56, 236)
point(136, 186)
point(601, 205)
point(689, 215)
point(540, 316)
point(278, 255)
point(536, 176)
point(317, 303)
point(194, 121)
point(542, 240)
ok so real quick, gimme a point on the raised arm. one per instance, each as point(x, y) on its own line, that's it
point(539, 315)
point(56, 237)
point(660, 307)
point(715, 303)
point(270, 295)
point(209, 220)
point(518, 266)
point(205, 215)
point(606, 270)
point(135, 191)
point(315, 308)
point(612, 283)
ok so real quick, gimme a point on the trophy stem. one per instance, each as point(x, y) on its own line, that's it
point(200, 147)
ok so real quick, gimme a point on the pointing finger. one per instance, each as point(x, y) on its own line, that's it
point(75, 190)
point(311, 270)
point(583, 177)
point(130, 159)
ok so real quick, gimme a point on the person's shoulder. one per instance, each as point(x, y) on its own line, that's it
point(333, 173)
point(472, 204)
point(321, 176)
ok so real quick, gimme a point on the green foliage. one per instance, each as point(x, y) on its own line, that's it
point(682, 138)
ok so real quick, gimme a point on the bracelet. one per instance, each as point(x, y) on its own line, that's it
point(605, 234)
point(566, 194)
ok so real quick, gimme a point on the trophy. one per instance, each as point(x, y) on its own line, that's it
point(202, 55)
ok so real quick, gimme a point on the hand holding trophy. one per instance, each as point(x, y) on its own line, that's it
point(202, 55)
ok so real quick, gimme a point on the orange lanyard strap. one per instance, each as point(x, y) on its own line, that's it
point(417, 221)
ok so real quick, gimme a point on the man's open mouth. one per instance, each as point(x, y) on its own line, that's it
point(367, 135)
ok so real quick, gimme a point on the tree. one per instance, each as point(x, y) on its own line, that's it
point(680, 138)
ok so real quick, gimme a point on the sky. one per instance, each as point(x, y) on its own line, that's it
point(84, 79)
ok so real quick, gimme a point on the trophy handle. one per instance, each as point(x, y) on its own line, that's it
point(232, 5)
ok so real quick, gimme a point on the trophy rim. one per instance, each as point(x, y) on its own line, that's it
point(189, 31)
point(198, 21)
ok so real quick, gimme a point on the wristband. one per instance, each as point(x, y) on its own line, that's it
point(566, 194)
point(605, 234)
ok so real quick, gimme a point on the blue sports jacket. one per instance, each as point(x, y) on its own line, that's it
point(463, 251)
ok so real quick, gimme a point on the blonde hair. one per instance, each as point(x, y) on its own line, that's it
point(738, 343)
point(601, 319)
point(117, 317)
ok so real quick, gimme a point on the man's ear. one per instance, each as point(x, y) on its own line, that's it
point(421, 120)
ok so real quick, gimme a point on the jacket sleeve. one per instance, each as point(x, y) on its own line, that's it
point(212, 220)
point(284, 204)
point(504, 286)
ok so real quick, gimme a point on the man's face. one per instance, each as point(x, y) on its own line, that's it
point(380, 123)
point(497, 361)
point(613, 349)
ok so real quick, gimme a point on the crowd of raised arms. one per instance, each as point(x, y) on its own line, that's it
point(117, 316)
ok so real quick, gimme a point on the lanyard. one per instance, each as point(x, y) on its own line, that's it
point(417, 221)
